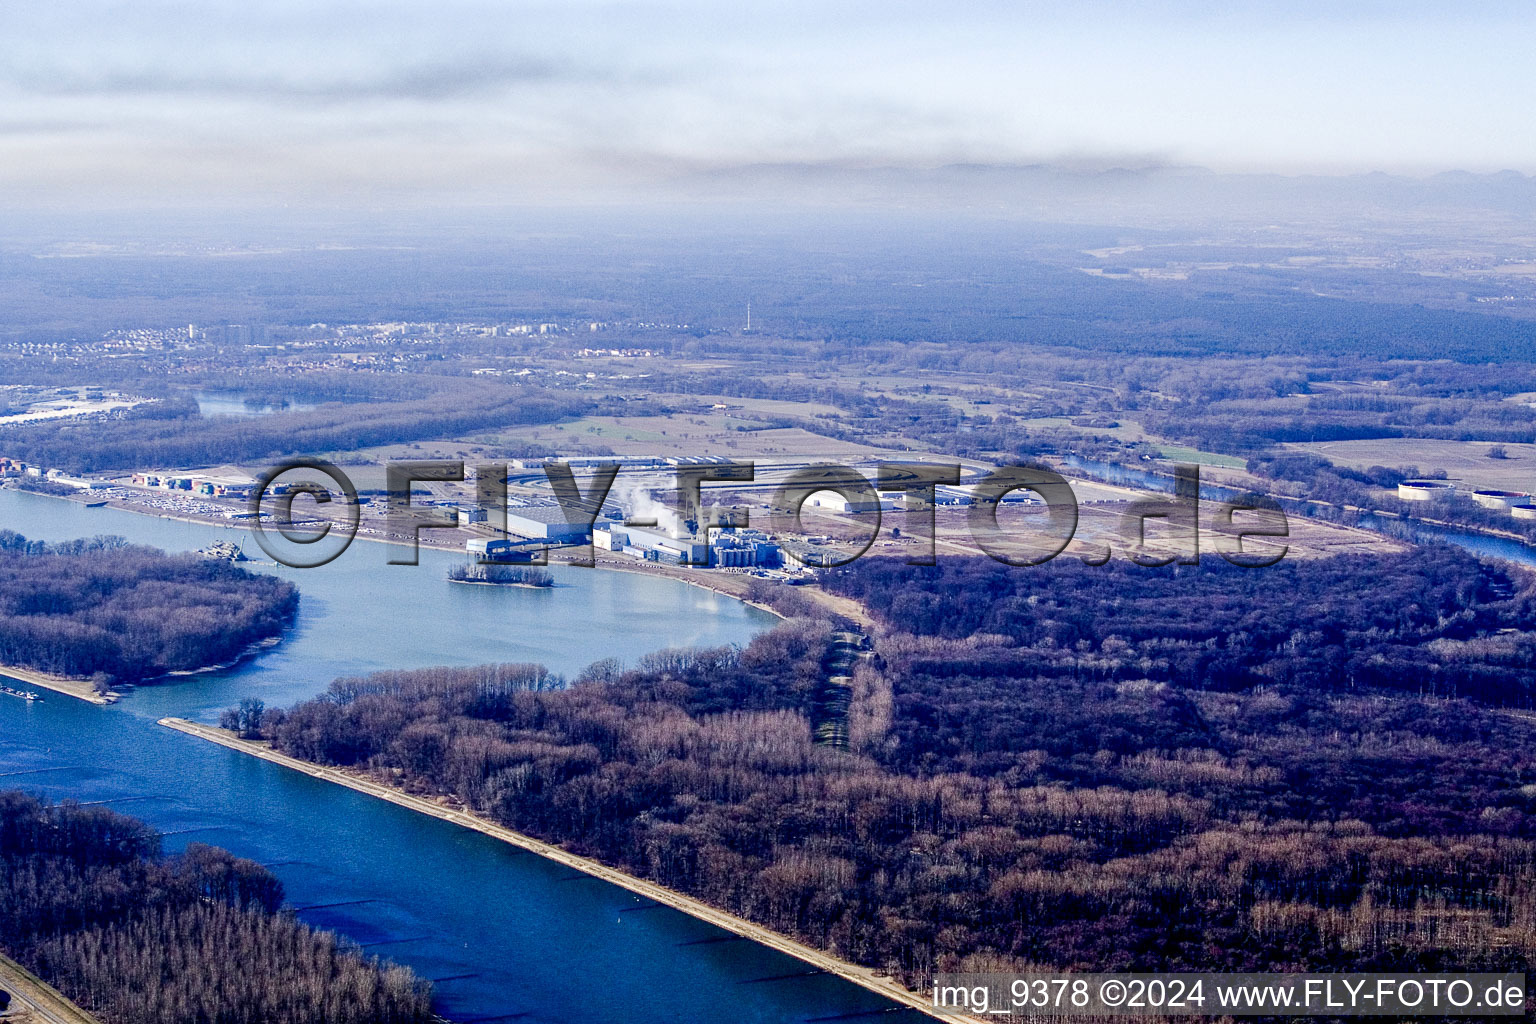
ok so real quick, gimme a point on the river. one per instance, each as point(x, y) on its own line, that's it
point(1481, 545)
point(508, 933)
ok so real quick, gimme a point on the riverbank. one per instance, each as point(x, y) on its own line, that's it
point(35, 1000)
point(724, 584)
point(1445, 524)
point(861, 976)
point(80, 689)
point(733, 586)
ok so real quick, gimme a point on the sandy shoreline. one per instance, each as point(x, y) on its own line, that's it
point(80, 689)
point(494, 583)
point(861, 976)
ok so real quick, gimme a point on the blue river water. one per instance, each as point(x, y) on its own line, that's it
point(507, 933)
point(242, 406)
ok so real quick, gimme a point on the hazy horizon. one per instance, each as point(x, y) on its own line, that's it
point(533, 102)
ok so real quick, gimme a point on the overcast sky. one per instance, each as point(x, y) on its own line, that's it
point(319, 97)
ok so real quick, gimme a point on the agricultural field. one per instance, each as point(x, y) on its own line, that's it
point(679, 434)
point(1465, 462)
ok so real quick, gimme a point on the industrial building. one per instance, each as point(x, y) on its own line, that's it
point(744, 549)
point(833, 501)
point(694, 460)
point(486, 549)
point(1424, 490)
point(584, 462)
point(733, 549)
point(546, 522)
point(945, 494)
point(208, 486)
point(1499, 501)
point(653, 545)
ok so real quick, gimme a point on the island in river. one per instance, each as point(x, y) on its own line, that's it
point(80, 617)
point(498, 574)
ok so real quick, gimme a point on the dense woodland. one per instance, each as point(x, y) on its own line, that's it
point(1319, 764)
point(171, 433)
point(845, 276)
point(509, 575)
point(122, 614)
point(1435, 622)
point(1249, 423)
point(89, 903)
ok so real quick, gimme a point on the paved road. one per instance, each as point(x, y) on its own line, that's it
point(45, 1004)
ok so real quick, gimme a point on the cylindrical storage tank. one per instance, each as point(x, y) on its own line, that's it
point(1423, 490)
point(1500, 501)
point(1523, 511)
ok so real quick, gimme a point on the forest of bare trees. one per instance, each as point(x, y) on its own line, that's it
point(1207, 768)
point(102, 608)
point(90, 904)
point(172, 433)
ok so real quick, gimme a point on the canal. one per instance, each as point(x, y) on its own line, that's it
point(508, 933)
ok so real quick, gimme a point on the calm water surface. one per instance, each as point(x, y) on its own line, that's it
point(508, 933)
point(243, 406)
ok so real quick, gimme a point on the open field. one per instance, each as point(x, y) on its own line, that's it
point(647, 436)
point(1102, 525)
point(1466, 462)
point(55, 403)
point(1181, 453)
point(1128, 430)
